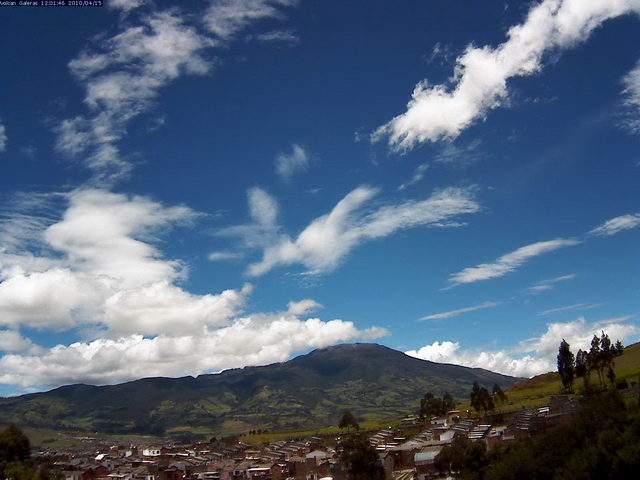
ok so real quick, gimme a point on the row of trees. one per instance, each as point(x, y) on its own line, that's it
point(484, 402)
point(599, 359)
point(432, 406)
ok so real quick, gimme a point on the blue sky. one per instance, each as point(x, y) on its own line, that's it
point(193, 186)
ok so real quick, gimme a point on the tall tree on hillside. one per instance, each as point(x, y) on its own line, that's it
point(566, 365)
point(481, 400)
point(348, 421)
point(582, 368)
point(500, 398)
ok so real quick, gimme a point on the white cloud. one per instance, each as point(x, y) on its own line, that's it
point(530, 357)
point(225, 18)
point(548, 284)
point(328, 239)
point(303, 307)
point(617, 225)
point(479, 82)
point(224, 256)
point(121, 81)
point(631, 92)
point(123, 75)
point(577, 306)
point(98, 266)
point(97, 270)
point(12, 341)
point(418, 175)
point(127, 5)
point(509, 262)
point(255, 340)
point(455, 313)
point(3, 138)
point(285, 36)
point(287, 165)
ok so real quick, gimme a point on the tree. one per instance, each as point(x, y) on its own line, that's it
point(432, 406)
point(582, 368)
point(360, 459)
point(465, 457)
point(566, 365)
point(500, 398)
point(481, 400)
point(348, 421)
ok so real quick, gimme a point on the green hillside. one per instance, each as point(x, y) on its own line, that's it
point(537, 390)
point(310, 391)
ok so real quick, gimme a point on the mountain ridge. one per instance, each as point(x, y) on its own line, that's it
point(311, 390)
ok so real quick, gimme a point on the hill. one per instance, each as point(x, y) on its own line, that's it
point(536, 391)
point(309, 391)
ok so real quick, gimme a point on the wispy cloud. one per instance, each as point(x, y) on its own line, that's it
point(568, 308)
point(224, 256)
point(455, 313)
point(276, 36)
point(3, 137)
point(548, 284)
point(460, 155)
point(617, 225)
point(226, 18)
point(127, 5)
point(530, 357)
point(509, 262)
point(418, 175)
point(479, 82)
point(289, 164)
point(328, 239)
point(631, 92)
point(124, 74)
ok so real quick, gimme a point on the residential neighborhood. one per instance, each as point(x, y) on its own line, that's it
point(405, 452)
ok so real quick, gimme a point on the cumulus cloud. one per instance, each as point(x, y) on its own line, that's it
point(479, 82)
point(12, 341)
point(97, 267)
point(123, 74)
point(531, 357)
point(303, 307)
point(455, 313)
point(3, 138)
point(509, 262)
point(617, 225)
point(328, 239)
point(254, 340)
point(288, 164)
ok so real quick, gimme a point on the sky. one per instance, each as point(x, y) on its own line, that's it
point(193, 186)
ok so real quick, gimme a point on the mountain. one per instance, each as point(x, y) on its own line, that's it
point(310, 391)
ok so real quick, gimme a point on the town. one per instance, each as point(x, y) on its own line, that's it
point(407, 451)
